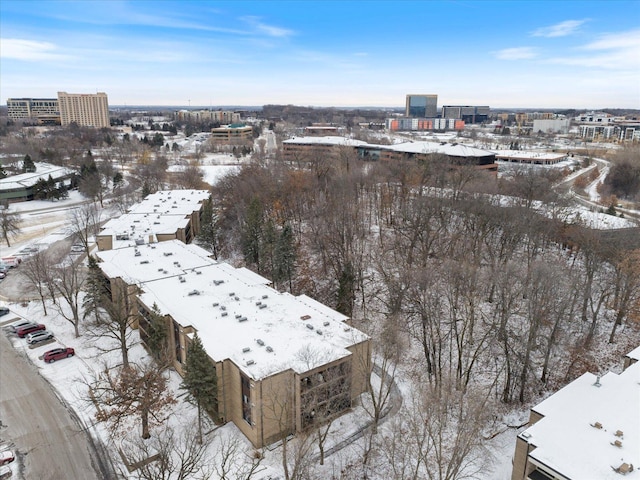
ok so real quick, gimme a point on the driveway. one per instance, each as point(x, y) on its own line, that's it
point(48, 438)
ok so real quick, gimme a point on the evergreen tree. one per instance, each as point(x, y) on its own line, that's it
point(27, 165)
point(252, 232)
point(346, 290)
point(285, 256)
point(94, 290)
point(200, 381)
point(157, 334)
point(209, 231)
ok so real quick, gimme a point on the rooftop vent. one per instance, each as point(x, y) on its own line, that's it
point(224, 314)
point(597, 425)
point(265, 296)
point(238, 316)
point(250, 362)
point(198, 272)
point(597, 384)
point(160, 269)
point(305, 317)
point(193, 292)
point(143, 262)
point(218, 282)
point(619, 433)
point(175, 263)
point(269, 349)
point(309, 326)
point(236, 298)
point(319, 332)
point(182, 279)
point(167, 254)
point(232, 294)
point(137, 254)
point(242, 319)
point(260, 342)
point(222, 307)
point(258, 303)
point(165, 271)
point(215, 304)
point(326, 324)
point(617, 443)
point(264, 305)
point(246, 349)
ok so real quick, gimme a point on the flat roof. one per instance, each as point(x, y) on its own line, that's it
point(529, 155)
point(233, 309)
point(132, 228)
point(331, 140)
point(454, 150)
point(171, 202)
point(567, 440)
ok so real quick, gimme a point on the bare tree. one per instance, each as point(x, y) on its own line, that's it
point(171, 456)
point(140, 389)
point(37, 271)
point(9, 223)
point(232, 461)
point(84, 223)
point(67, 283)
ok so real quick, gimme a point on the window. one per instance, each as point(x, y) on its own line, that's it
point(246, 398)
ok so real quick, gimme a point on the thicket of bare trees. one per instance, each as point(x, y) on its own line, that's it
point(483, 293)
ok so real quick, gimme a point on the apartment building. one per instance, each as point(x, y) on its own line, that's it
point(423, 124)
point(45, 110)
point(421, 106)
point(84, 109)
point(282, 361)
point(161, 216)
point(223, 117)
point(590, 429)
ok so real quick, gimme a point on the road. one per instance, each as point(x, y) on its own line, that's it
point(49, 440)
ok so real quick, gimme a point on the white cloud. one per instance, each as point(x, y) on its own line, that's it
point(615, 51)
point(622, 40)
point(265, 29)
point(516, 53)
point(561, 29)
point(29, 50)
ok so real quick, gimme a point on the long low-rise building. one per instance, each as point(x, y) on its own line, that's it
point(283, 362)
point(328, 147)
point(531, 157)
point(20, 188)
point(161, 216)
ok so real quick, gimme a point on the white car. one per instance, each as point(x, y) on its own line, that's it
point(37, 337)
point(77, 249)
point(19, 324)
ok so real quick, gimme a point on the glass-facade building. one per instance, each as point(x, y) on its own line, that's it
point(422, 106)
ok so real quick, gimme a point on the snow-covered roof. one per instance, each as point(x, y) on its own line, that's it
point(26, 180)
point(143, 228)
point(234, 309)
point(171, 202)
point(634, 354)
point(529, 155)
point(567, 438)
point(454, 150)
point(325, 140)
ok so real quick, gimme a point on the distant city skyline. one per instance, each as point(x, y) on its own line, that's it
point(534, 54)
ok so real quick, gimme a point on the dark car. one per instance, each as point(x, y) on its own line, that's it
point(58, 353)
point(3, 311)
point(27, 329)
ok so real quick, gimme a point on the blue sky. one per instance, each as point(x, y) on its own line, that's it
point(564, 54)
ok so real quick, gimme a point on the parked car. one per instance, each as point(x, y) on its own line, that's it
point(27, 329)
point(5, 472)
point(3, 310)
point(58, 353)
point(19, 324)
point(77, 249)
point(2, 275)
point(12, 261)
point(6, 456)
point(38, 337)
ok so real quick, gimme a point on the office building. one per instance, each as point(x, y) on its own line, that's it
point(422, 106)
point(467, 113)
point(588, 430)
point(84, 109)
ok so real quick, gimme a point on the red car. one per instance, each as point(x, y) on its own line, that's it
point(6, 457)
point(58, 353)
point(27, 329)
